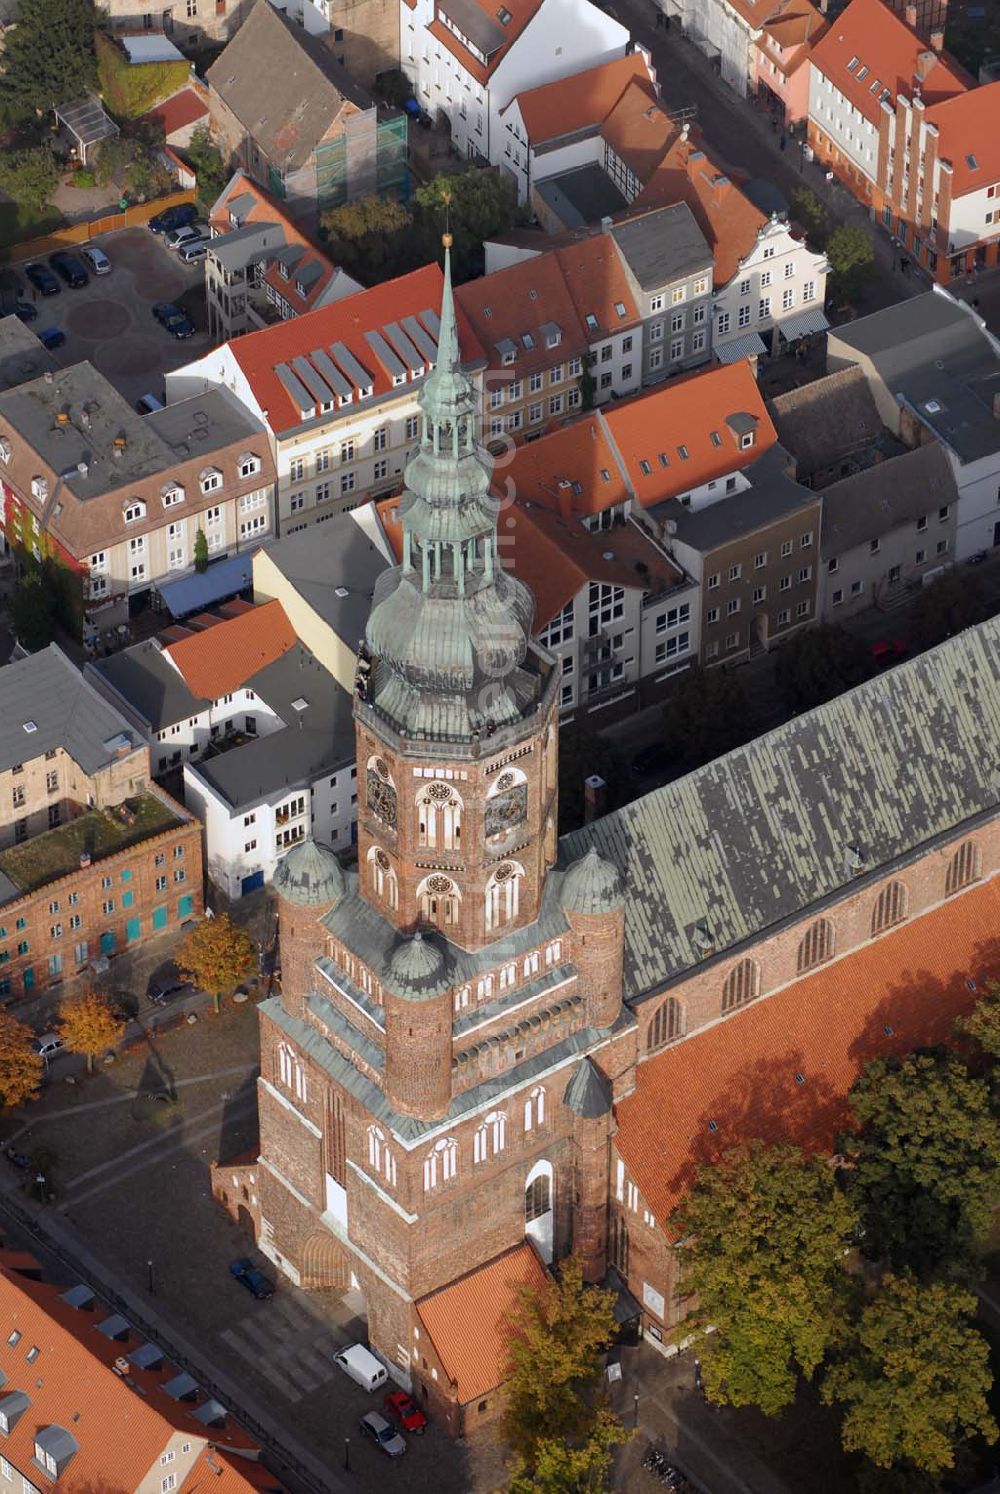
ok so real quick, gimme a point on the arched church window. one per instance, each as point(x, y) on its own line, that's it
point(384, 882)
point(439, 899)
point(439, 816)
point(381, 791)
point(503, 896)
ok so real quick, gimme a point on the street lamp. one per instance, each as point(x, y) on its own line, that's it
point(635, 1411)
point(40, 1184)
point(149, 1269)
point(347, 1454)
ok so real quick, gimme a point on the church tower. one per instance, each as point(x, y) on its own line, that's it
point(455, 710)
point(438, 1074)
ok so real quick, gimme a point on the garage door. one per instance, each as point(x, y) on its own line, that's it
point(251, 883)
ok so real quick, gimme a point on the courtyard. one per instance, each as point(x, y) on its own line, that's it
point(110, 322)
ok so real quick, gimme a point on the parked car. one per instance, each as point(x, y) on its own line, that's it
point(173, 319)
point(69, 267)
point(48, 1044)
point(123, 1006)
point(147, 403)
point(165, 984)
point(187, 234)
point(26, 311)
point(42, 279)
point(888, 651)
point(192, 250)
point(51, 338)
point(383, 1434)
point(404, 1409)
point(362, 1366)
point(97, 260)
point(174, 217)
point(256, 1283)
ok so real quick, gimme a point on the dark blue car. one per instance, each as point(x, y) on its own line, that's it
point(175, 217)
point(256, 1283)
point(42, 279)
point(51, 338)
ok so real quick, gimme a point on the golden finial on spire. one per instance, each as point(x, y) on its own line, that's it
point(446, 240)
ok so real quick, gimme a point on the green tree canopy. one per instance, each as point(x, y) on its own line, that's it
point(200, 552)
point(48, 56)
point(474, 205)
point(30, 613)
point(915, 1377)
point(29, 176)
point(983, 1022)
point(764, 1233)
point(559, 1334)
point(948, 606)
point(560, 1468)
point(819, 663)
point(372, 237)
point(925, 1163)
point(708, 714)
point(851, 259)
point(209, 167)
point(810, 212)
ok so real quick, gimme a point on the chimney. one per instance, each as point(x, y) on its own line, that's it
point(84, 860)
point(595, 796)
point(564, 497)
point(720, 187)
point(936, 40)
point(925, 61)
point(119, 446)
point(910, 16)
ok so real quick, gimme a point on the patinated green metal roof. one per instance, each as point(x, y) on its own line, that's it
point(592, 885)
point(309, 874)
point(448, 634)
point(416, 970)
point(775, 829)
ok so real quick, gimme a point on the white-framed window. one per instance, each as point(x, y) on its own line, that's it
point(134, 509)
point(381, 1158)
point(210, 480)
point(491, 1137)
point(503, 895)
point(441, 1163)
point(249, 464)
point(292, 1072)
point(534, 1108)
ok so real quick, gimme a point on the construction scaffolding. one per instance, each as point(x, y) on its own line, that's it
point(368, 159)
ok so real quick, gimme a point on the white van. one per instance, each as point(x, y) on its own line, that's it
point(362, 1366)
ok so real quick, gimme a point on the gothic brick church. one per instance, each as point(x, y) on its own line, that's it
point(482, 1059)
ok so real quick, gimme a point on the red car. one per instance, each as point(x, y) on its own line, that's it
point(404, 1409)
point(888, 651)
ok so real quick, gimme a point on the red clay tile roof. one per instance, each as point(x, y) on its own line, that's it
point(346, 321)
point(521, 299)
point(799, 22)
point(120, 1432)
point(638, 130)
point(264, 209)
point(900, 992)
point(581, 101)
point(691, 412)
point(220, 659)
point(728, 219)
point(469, 1321)
point(183, 108)
point(887, 52)
point(598, 284)
point(969, 125)
point(520, 13)
point(565, 470)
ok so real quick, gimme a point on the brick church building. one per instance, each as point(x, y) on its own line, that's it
point(491, 1048)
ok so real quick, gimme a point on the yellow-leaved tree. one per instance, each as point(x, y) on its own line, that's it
point(87, 1025)
point(20, 1065)
point(216, 956)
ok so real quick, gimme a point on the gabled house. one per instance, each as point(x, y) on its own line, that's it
point(287, 113)
point(781, 55)
point(260, 268)
point(469, 58)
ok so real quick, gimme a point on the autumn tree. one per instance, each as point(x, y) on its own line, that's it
point(763, 1237)
point(982, 1024)
point(924, 1165)
point(559, 1333)
point(20, 1065)
point(216, 956)
point(372, 237)
point(915, 1376)
point(560, 1468)
point(88, 1025)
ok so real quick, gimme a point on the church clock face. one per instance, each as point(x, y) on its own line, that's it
point(381, 794)
point(506, 809)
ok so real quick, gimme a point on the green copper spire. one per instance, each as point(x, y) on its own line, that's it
point(449, 629)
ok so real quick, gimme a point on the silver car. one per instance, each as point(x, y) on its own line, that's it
point(190, 234)
point(383, 1433)
point(96, 259)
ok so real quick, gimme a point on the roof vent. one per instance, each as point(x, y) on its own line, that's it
point(713, 1125)
point(341, 591)
point(607, 554)
point(932, 406)
point(701, 938)
point(30, 726)
point(47, 376)
point(853, 860)
point(889, 1030)
point(301, 704)
point(800, 1078)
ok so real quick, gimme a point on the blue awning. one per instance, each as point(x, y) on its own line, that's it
point(227, 578)
point(750, 345)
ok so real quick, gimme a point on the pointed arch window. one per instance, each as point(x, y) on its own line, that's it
point(667, 1024)
point(384, 882)
point(618, 1244)
point(816, 946)
point(439, 816)
point(503, 896)
point(439, 899)
point(964, 868)
point(534, 1108)
point(890, 908)
point(491, 1138)
point(538, 1197)
point(292, 1072)
point(441, 1163)
point(381, 1158)
point(742, 984)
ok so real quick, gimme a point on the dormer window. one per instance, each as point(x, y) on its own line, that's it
point(509, 357)
point(249, 464)
point(171, 494)
point(134, 509)
point(210, 480)
point(591, 321)
point(54, 1449)
point(300, 289)
point(746, 440)
point(12, 1408)
point(620, 308)
point(282, 270)
point(39, 488)
point(5, 451)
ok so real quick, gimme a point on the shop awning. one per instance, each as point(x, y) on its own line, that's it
point(802, 324)
point(227, 578)
point(750, 345)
